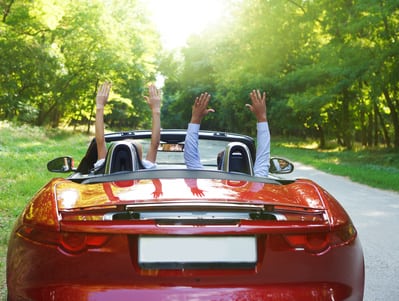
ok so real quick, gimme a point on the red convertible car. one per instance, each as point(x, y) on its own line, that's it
point(172, 233)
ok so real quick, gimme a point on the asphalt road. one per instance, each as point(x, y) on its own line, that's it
point(375, 214)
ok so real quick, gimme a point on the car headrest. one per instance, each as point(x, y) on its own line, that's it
point(236, 158)
point(122, 156)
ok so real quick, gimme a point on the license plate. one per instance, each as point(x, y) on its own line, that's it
point(173, 252)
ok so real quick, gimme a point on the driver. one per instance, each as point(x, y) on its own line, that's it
point(258, 108)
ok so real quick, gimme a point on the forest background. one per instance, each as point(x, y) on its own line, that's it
point(330, 68)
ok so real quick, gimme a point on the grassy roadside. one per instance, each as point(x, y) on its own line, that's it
point(24, 153)
point(25, 150)
point(378, 168)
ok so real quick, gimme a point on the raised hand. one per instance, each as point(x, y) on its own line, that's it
point(102, 95)
point(154, 99)
point(258, 106)
point(200, 108)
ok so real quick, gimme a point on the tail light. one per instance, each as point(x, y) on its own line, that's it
point(315, 242)
point(79, 242)
point(69, 242)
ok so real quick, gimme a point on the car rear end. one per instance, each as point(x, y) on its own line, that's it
point(175, 239)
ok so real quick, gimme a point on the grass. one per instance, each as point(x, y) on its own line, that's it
point(377, 168)
point(24, 153)
point(25, 150)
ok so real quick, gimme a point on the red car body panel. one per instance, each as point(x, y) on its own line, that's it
point(302, 193)
point(62, 248)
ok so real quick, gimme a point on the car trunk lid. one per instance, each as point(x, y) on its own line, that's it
point(73, 196)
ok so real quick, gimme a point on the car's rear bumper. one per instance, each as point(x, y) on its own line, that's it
point(280, 292)
point(45, 273)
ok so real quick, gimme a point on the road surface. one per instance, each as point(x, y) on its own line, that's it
point(375, 214)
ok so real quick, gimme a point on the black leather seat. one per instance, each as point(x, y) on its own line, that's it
point(122, 156)
point(237, 158)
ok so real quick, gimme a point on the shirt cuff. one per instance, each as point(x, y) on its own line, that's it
point(262, 126)
point(193, 127)
point(99, 163)
point(148, 164)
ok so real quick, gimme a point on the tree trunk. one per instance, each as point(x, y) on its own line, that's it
point(363, 123)
point(322, 138)
point(370, 130)
point(346, 120)
point(376, 133)
point(384, 128)
point(394, 118)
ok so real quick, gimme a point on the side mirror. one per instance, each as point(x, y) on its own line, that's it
point(61, 164)
point(280, 166)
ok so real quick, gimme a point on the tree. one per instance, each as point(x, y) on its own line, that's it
point(55, 53)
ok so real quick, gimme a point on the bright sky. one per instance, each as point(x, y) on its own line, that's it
point(178, 19)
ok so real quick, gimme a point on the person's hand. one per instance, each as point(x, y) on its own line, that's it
point(197, 192)
point(158, 188)
point(200, 108)
point(154, 99)
point(102, 95)
point(192, 183)
point(258, 106)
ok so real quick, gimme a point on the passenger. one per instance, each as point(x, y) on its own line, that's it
point(200, 110)
point(154, 101)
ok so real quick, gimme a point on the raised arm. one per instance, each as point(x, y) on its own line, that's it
point(101, 101)
point(258, 108)
point(154, 101)
point(199, 111)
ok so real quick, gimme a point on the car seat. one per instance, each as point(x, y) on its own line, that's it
point(237, 158)
point(122, 156)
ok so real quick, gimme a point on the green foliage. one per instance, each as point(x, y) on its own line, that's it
point(54, 53)
point(329, 69)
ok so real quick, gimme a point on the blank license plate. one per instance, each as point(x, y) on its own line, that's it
point(172, 252)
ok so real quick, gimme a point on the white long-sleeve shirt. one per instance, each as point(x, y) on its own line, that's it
point(191, 152)
point(262, 160)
